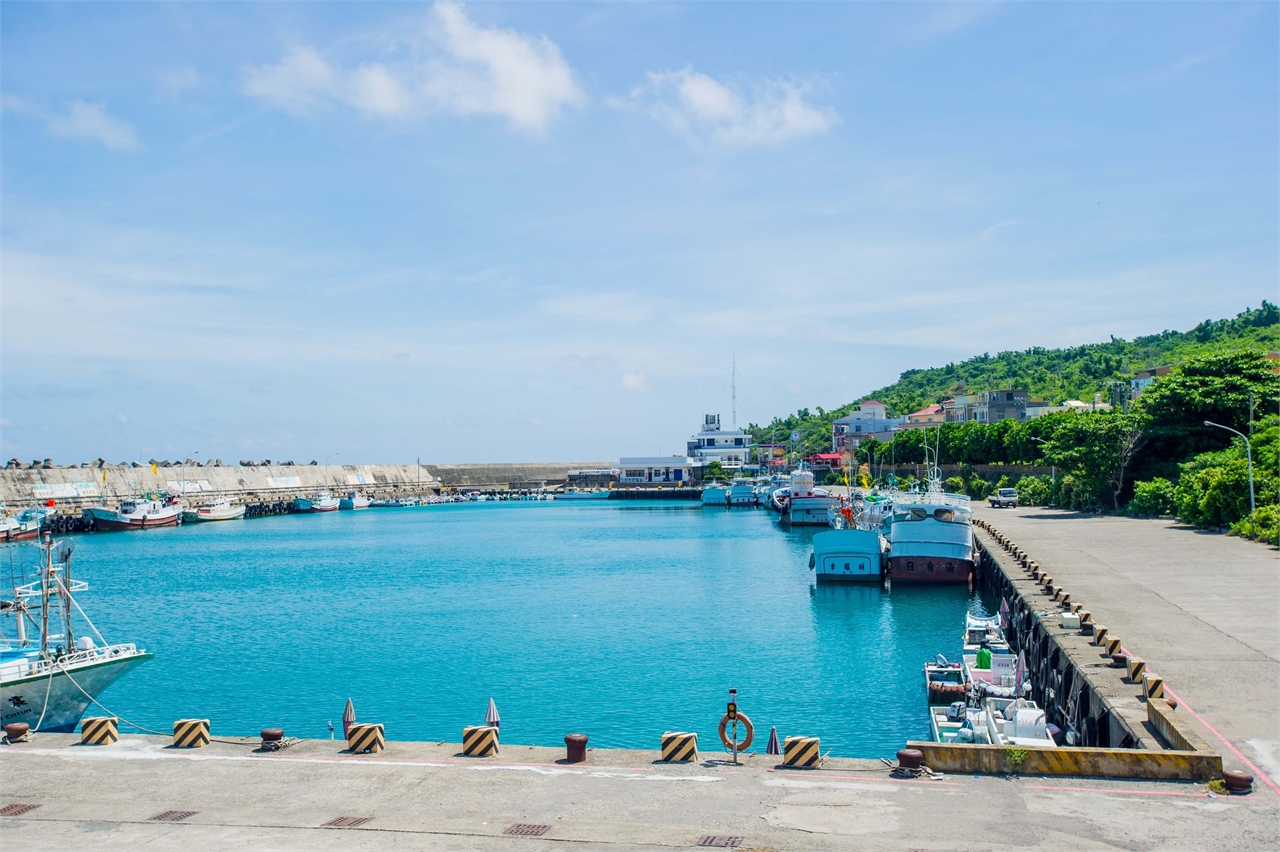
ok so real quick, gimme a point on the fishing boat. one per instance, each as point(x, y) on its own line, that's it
point(715, 495)
point(21, 525)
point(803, 504)
point(576, 494)
point(742, 493)
point(50, 670)
point(931, 535)
point(945, 682)
point(354, 500)
point(221, 510)
point(322, 501)
point(984, 632)
point(848, 555)
point(136, 514)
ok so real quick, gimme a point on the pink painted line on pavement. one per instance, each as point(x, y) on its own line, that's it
point(1257, 773)
point(1118, 792)
point(922, 781)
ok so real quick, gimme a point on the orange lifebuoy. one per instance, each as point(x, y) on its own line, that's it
point(746, 743)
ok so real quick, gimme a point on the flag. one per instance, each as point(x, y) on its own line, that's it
point(1004, 613)
point(154, 471)
point(348, 718)
point(104, 477)
point(1019, 671)
point(774, 746)
point(491, 715)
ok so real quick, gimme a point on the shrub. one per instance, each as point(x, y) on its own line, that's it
point(954, 485)
point(834, 478)
point(1152, 498)
point(1003, 482)
point(978, 488)
point(1262, 525)
point(1212, 495)
point(1033, 491)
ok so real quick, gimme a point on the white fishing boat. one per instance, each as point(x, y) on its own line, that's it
point(715, 495)
point(221, 510)
point(354, 500)
point(742, 493)
point(322, 501)
point(576, 494)
point(803, 504)
point(22, 525)
point(848, 555)
point(983, 632)
point(50, 667)
point(136, 515)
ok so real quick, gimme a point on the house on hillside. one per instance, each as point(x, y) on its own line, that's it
point(930, 415)
point(987, 406)
point(869, 419)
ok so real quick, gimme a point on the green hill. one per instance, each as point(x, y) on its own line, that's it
point(1054, 374)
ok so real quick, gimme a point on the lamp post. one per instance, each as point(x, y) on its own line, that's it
point(326, 467)
point(1053, 468)
point(1248, 449)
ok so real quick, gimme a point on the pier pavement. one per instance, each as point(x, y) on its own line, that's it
point(426, 796)
point(1202, 609)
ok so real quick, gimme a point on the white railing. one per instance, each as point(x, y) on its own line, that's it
point(932, 498)
point(77, 658)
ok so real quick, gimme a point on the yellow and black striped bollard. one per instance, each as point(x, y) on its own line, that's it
point(1153, 685)
point(1112, 644)
point(365, 738)
point(802, 752)
point(679, 746)
point(191, 733)
point(1137, 669)
point(99, 731)
point(479, 741)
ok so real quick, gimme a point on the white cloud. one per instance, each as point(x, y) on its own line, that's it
point(81, 120)
point(951, 17)
point(621, 307)
point(705, 111)
point(634, 382)
point(468, 70)
point(173, 82)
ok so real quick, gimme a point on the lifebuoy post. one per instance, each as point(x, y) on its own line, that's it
point(732, 713)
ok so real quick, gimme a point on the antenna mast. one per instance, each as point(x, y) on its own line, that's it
point(733, 392)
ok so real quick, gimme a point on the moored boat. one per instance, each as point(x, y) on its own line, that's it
point(46, 686)
point(715, 495)
point(931, 538)
point(136, 515)
point(575, 494)
point(322, 501)
point(983, 632)
point(222, 510)
point(848, 555)
point(742, 493)
point(354, 500)
point(22, 525)
point(803, 504)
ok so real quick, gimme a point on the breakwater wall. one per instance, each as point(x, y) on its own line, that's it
point(1083, 676)
point(73, 487)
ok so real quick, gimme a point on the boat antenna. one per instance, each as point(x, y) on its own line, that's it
point(64, 556)
point(733, 392)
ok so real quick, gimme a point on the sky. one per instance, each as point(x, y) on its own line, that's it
point(547, 231)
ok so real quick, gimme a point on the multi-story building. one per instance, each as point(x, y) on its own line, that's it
point(986, 407)
point(930, 415)
point(655, 469)
point(730, 447)
point(870, 419)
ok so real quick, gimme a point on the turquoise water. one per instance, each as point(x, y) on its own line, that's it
point(618, 620)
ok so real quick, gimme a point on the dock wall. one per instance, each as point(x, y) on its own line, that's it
point(1149, 764)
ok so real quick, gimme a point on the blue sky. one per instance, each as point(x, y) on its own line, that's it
point(543, 231)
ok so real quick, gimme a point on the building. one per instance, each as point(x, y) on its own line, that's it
point(1143, 378)
point(930, 415)
point(986, 407)
point(869, 419)
point(676, 469)
point(729, 447)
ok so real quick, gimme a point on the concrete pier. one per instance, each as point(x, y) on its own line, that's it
point(1199, 608)
point(425, 796)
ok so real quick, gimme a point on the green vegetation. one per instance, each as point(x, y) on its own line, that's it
point(714, 472)
point(1053, 374)
point(1155, 456)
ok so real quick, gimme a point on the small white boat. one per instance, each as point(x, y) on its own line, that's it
point(354, 500)
point(742, 493)
point(575, 494)
point(136, 515)
point(980, 632)
point(715, 495)
point(322, 501)
point(222, 510)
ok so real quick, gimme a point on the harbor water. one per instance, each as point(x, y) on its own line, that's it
point(619, 620)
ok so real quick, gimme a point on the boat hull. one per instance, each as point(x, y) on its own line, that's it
point(583, 495)
point(848, 556)
point(808, 511)
point(930, 569)
point(715, 497)
point(109, 520)
point(234, 513)
point(23, 699)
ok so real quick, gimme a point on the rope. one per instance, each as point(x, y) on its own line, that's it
point(47, 686)
point(95, 701)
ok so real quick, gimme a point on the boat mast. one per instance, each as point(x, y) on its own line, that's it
point(45, 570)
point(65, 553)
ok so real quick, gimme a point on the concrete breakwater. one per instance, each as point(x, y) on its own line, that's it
point(73, 487)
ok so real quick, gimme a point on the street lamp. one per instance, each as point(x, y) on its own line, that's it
point(326, 467)
point(1053, 468)
point(1248, 452)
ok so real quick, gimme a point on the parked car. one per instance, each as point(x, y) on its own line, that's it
point(1004, 498)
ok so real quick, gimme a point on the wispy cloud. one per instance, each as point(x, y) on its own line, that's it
point(706, 112)
point(951, 17)
point(458, 67)
point(173, 83)
point(634, 383)
point(619, 307)
point(82, 121)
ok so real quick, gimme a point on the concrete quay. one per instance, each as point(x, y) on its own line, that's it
point(1202, 610)
point(425, 796)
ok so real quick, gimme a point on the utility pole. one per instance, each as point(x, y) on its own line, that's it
point(1248, 448)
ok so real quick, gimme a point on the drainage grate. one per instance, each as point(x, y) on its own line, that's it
point(527, 829)
point(173, 816)
point(17, 809)
point(346, 822)
point(719, 840)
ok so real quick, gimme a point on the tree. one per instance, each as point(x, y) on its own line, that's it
point(1098, 449)
point(714, 470)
